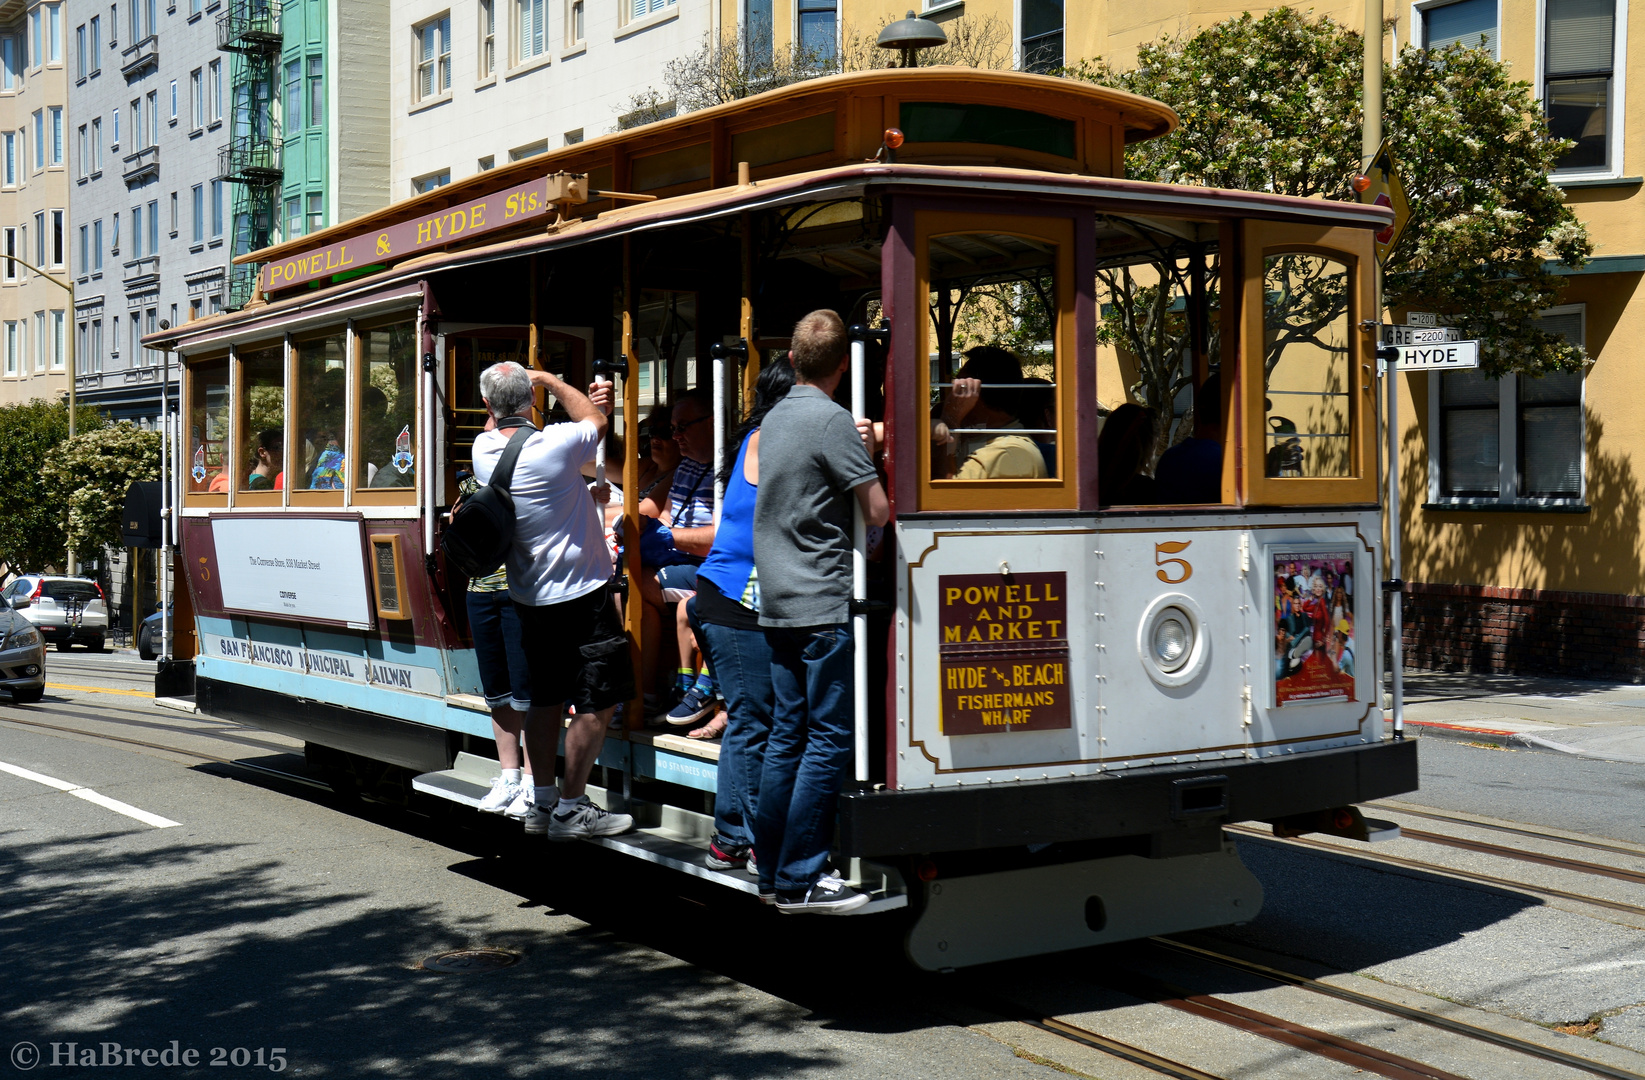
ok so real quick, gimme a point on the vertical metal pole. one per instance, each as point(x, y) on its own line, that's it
point(859, 578)
point(1370, 142)
point(633, 716)
point(168, 439)
point(718, 362)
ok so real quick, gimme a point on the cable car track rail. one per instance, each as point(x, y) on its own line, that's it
point(1553, 838)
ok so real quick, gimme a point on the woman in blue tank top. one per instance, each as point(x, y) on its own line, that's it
point(725, 615)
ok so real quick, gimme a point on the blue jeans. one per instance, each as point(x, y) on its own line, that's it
point(806, 755)
point(741, 662)
point(499, 649)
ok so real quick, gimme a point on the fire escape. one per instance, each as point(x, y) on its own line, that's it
point(250, 31)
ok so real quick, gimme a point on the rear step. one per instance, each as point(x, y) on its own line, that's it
point(665, 835)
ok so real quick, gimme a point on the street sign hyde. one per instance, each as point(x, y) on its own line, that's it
point(1437, 356)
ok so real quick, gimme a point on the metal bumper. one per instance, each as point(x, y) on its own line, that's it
point(1136, 802)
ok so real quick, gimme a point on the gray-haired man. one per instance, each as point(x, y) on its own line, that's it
point(559, 577)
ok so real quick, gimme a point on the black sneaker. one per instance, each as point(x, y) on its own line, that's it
point(768, 896)
point(729, 857)
point(829, 896)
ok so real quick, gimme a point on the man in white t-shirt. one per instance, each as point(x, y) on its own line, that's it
point(559, 577)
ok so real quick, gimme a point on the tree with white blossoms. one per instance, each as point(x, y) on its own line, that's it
point(1273, 104)
point(90, 474)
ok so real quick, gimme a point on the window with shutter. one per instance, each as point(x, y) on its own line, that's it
point(1470, 23)
point(1579, 51)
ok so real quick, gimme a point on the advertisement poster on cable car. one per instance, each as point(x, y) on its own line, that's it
point(1313, 625)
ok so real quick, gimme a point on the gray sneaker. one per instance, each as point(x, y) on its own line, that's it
point(586, 820)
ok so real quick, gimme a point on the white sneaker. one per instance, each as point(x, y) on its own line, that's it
point(526, 801)
point(586, 820)
point(503, 792)
point(535, 821)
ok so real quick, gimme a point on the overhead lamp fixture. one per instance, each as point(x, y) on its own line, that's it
point(911, 35)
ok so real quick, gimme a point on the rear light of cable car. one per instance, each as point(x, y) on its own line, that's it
point(925, 870)
point(894, 137)
point(1342, 818)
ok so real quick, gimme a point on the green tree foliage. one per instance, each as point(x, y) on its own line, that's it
point(1273, 104)
point(33, 519)
point(89, 475)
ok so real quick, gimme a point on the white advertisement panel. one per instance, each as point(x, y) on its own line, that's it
point(309, 569)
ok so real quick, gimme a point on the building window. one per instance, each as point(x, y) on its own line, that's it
point(11, 347)
point(294, 218)
point(639, 9)
point(1042, 35)
point(114, 236)
point(11, 75)
point(153, 119)
point(154, 227)
point(216, 70)
point(533, 36)
point(54, 36)
point(151, 356)
point(56, 134)
point(59, 324)
point(10, 239)
point(80, 51)
point(35, 55)
point(434, 58)
point(97, 144)
point(572, 138)
point(85, 249)
point(57, 238)
point(530, 150)
point(198, 234)
point(173, 229)
point(11, 158)
point(97, 245)
point(39, 140)
point(39, 341)
point(1580, 58)
point(316, 212)
point(83, 158)
point(96, 45)
point(487, 163)
point(575, 34)
point(1470, 23)
point(96, 345)
point(431, 181)
point(1514, 439)
point(316, 91)
point(136, 232)
point(819, 21)
point(294, 96)
point(40, 238)
point(216, 208)
point(114, 144)
point(174, 100)
point(488, 38)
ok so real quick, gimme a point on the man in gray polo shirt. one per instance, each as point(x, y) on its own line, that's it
point(814, 464)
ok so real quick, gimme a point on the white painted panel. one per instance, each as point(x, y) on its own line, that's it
point(298, 568)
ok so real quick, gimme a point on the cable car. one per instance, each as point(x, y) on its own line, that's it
point(1071, 675)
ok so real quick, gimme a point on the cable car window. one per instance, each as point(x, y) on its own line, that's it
point(1308, 408)
point(665, 343)
point(322, 384)
point(262, 463)
point(942, 122)
point(994, 365)
point(388, 408)
point(208, 419)
point(469, 357)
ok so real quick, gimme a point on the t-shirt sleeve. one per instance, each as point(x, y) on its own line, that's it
point(844, 456)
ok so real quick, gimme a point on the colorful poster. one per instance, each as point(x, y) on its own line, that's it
point(1314, 651)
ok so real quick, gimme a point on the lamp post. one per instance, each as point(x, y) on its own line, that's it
point(68, 332)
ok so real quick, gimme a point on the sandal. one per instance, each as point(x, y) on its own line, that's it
point(711, 730)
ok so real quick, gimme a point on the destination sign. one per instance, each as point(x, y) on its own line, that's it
point(499, 210)
point(1003, 657)
point(1443, 356)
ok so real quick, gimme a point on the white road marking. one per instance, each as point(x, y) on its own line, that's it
point(90, 796)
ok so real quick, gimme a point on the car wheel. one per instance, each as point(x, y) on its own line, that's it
point(28, 697)
point(145, 646)
point(64, 645)
point(97, 645)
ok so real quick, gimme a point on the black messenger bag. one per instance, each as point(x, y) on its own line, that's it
point(482, 527)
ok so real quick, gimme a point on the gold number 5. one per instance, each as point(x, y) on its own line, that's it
point(1172, 547)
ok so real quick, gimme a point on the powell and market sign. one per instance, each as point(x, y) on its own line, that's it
point(499, 210)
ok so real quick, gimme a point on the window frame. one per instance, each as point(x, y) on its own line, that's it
point(1419, 22)
point(1026, 44)
point(524, 32)
point(1508, 443)
point(1617, 107)
point(438, 64)
point(486, 24)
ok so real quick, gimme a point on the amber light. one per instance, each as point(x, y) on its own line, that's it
point(1343, 819)
point(1362, 183)
point(893, 137)
point(926, 870)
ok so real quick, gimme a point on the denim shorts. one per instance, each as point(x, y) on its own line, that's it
point(498, 646)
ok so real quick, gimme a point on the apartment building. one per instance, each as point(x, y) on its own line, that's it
point(34, 199)
point(480, 83)
point(201, 129)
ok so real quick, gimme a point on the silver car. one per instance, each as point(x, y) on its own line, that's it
point(22, 658)
point(66, 610)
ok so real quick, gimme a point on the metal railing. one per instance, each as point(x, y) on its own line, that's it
point(250, 159)
point(250, 26)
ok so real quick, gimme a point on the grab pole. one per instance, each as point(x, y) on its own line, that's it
point(719, 353)
point(859, 573)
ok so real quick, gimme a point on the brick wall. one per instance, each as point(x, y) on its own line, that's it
point(1484, 628)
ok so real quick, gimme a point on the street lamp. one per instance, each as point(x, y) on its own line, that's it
point(68, 332)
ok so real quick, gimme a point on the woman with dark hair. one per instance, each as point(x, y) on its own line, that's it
point(725, 615)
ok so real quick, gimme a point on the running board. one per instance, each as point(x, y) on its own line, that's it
point(664, 835)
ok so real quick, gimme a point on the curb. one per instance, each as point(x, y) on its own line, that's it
point(1428, 729)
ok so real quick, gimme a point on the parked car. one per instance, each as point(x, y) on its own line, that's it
point(22, 658)
point(66, 610)
point(149, 637)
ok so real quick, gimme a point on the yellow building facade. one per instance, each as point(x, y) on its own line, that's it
point(1523, 500)
point(34, 192)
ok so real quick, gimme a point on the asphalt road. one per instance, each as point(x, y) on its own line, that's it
point(271, 916)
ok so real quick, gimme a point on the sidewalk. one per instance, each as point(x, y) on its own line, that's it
point(1592, 719)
